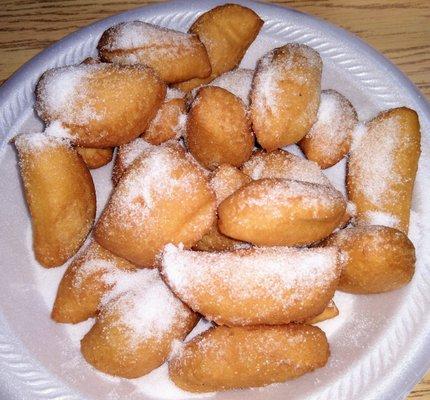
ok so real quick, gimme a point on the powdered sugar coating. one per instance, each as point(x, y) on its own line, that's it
point(35, 142)
point(284, 165)
point(136, 34)
point(372, 159)
point(271, 69)
point(331, 133)
point(144, 304)
point(281, 276)
point(62, 88)
point(381, 218)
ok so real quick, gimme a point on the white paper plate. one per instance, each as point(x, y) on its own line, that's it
point(380, 344)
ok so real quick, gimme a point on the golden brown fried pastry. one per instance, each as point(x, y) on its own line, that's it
point(285, 95)
point(329, 139)
point(218, 129)
point(169, 123)
point(135, 329)
point(378, 259)
point(175, 56)
point(281, 212)
point(226, 31)
point(101, 105)
point(95, 158)
point(284, 165)
point(382, 168)
point(329, 312)
point(224, 358)
point(255, 286)
point(87, 279)
point(225, 180)
point(60, 195)
point(125, 156)
point(162, 198)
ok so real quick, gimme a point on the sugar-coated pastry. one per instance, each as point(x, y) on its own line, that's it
point(285, 95)
point(225, 180)
point(378, 258)
point(329, 312)
point(329, 139)
point(267, 285)
point(281, 212)
point(226, 31)
point(163, 197)
point(284, 165)
point(60, 195)
point(382, 168)
point(136, 327)
point(95, 158)
point(175, 56)
point(125, 156)
point(100, 105)
point(237, 81)
point(218, 129)
point(86, 280)
point(224, 358)
point(169, 122)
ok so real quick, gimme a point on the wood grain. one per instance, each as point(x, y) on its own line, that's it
point(400, 29)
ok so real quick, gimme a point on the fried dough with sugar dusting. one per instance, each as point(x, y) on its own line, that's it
point(86, 280)
point(163, 197)
point(100, 105)
point(226, 31)
point(378, 258)
point(137, 326)
point(285, 95)
point(175, 56)
point(329, 139)
point(281, 212)
point(60, 195)
point(272, 285)
point(224, 358)
point(382, 167)
point(218, 129)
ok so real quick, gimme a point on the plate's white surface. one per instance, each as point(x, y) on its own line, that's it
point(380, 345)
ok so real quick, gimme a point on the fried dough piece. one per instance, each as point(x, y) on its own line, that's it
point(175, 56)
point(255, 286)
point(224, 358)
point(281, 212)
point(329, 312)
point(379, 259)
point(218, 129)
point(283, 165)
point(169, 123)
point(226, 31)
point(95, 158)
point(329, 139)
point(163, 198)
point(382, 168)
point(86, 280)
point(224, 181)
point(125, 156)
point(135, 330)
point(101, 105)
point(60, 195)
point(285, 95)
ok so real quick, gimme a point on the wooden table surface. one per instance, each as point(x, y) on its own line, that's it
point(400, 29)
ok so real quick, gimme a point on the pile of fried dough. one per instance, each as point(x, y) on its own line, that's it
point(209, 217)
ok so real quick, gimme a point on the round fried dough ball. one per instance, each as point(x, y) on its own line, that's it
point(218, 129)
